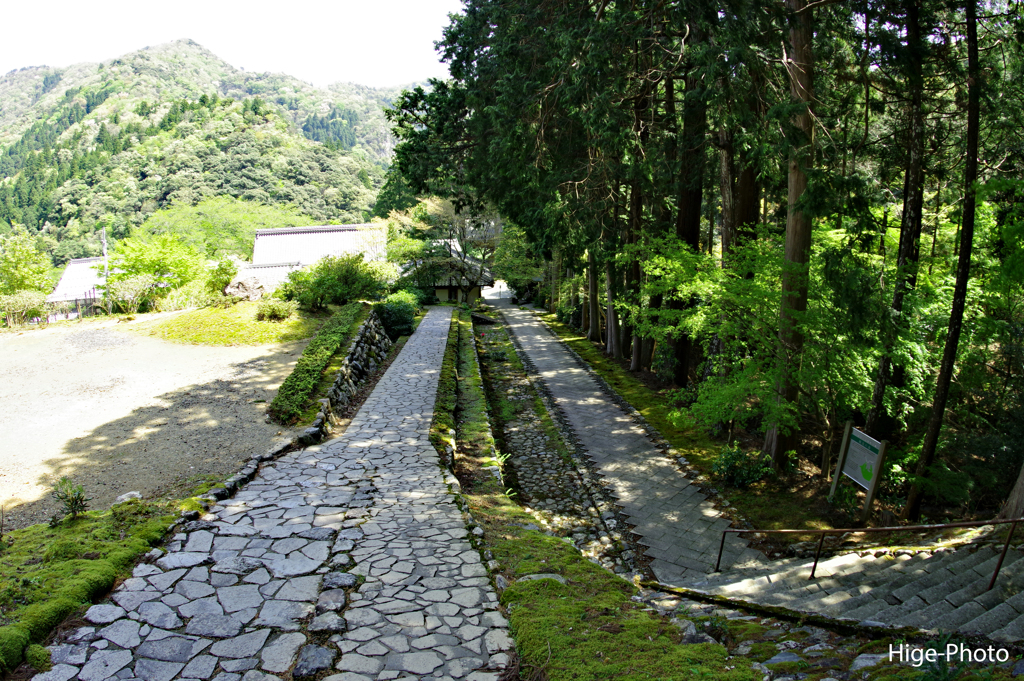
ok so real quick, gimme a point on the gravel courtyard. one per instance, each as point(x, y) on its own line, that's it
point(117, 412)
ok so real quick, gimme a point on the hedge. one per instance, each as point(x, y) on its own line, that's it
point(336, 332)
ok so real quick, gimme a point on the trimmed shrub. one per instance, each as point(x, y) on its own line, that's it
point(397, 313)
point(738, 468)
point(295, 391)
point(274, 310)
point(334, 280)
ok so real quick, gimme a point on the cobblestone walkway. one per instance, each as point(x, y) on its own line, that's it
point(347, 561)
point(675, 521)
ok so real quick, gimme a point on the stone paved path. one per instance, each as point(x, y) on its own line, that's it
point(349, 559)
point(675, 521)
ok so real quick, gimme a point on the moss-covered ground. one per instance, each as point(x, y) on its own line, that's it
point(48, 573)
point(231, 325)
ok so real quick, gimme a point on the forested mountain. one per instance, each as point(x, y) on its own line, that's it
point(95, 145)
point(797, 212)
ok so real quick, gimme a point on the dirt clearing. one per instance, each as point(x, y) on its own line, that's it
point(118, 412)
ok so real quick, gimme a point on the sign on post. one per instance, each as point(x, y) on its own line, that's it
point(861, 459)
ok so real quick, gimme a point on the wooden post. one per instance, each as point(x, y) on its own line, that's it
point(843, 448)
point(875, 481)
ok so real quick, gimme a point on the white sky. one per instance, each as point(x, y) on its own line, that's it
point(370, 42)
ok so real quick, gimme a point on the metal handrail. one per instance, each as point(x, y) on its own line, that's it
point(907, 528)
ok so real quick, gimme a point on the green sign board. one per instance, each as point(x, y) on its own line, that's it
point(862, 459)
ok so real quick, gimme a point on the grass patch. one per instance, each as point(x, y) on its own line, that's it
point(49, 573)
point(333, 336)
point(234, 325)
point(763, 503)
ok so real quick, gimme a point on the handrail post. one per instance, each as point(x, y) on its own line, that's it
point(999, 563)
point(816, 555)
point(721, 547)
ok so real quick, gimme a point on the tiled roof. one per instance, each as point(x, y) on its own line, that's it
point(78, 281)
point(270, 275)
point(307, 245)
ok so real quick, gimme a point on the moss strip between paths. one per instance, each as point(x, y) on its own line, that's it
point(587, 628)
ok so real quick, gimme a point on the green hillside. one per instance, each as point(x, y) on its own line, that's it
point(106, 145)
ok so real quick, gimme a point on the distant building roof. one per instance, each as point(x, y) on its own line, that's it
point(270, 275)
point(78, 281)
point(307, 245)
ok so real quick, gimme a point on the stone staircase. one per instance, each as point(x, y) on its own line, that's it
point(939, 590)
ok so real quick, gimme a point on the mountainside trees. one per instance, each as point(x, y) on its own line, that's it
point(767, 204)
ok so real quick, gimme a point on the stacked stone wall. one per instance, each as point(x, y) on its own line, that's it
point(368, 349)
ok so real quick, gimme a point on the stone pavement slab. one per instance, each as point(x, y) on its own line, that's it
point(349, 556)
point(677, 523)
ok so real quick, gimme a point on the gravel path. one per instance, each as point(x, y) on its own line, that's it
point(118, 412)
point(347, 557)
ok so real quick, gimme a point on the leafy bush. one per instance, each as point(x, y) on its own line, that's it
point(130, 292)
point(334, 280)
point(274, 310)
point(196, 293)
point(397, 313)
point(163, 256)
point(21, 306)
point(221, 275)
point(739, 468)
point(292, 395)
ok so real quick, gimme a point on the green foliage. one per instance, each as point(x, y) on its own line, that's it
point(514, 260)
point(21, 306)
point(395, 195)
point(38, 657)
point(92, 160)
point(22, 266)
point(738, 468)
point(334, 280)
point(196, 293)
point(397, 313)
point(336, 129)
point(275, 310)
point(222, 225)
point(332, 336)
point(71, 497)
point(163, 256)
point(221, 275)
point(130, 292)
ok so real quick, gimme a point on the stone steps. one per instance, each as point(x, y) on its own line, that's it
point(940, 591)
